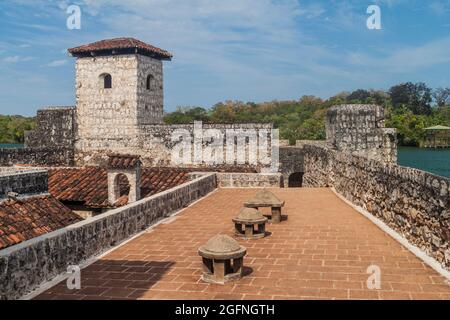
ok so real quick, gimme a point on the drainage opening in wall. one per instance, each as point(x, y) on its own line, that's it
point(296, 180)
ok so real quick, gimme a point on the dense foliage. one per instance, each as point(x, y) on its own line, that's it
point(12, 128)
point(409, 108)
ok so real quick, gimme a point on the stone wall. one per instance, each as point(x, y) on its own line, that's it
point(291, 161)
point(150, 103)
point(25, 266)
point(55, 156)
point(23, 182)
point(413, 202)
point(154, 143)
point(110, 118)
point(359, 129)
point(55, 128)
point(248, 180)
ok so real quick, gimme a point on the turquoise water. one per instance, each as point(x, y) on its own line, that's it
point(10, 145)
point(436, 161)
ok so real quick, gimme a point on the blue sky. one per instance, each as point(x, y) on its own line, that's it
point(249, 50)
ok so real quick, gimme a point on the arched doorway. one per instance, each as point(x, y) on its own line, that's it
point(296, 180)
point(121, 186)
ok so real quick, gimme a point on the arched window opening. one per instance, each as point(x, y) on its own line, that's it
point(149, 82)
point(121, 186)
point(107, 80)
point(296, 180)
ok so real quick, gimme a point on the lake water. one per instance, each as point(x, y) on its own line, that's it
point(10, 145)
point(436, 161)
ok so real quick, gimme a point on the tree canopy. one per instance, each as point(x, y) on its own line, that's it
point(12, 128)
point(409, 108)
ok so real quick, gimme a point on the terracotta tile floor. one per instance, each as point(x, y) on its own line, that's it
point(321, 252)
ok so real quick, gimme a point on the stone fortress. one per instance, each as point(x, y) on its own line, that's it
point(119, 110)
point(119, 106)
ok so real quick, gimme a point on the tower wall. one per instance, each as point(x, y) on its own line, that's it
point(109, 119)
point(360, 130)
point(150, 103)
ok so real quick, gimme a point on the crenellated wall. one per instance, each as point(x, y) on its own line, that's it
point(413, 202)
point(360, 130)
point(55, 128)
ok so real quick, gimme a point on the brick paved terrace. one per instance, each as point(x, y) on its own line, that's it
point(321, 252)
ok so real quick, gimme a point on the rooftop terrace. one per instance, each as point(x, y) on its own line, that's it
point(323, 251)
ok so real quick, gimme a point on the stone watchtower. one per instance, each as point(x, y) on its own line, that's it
point(360, 130)
point(119, 87)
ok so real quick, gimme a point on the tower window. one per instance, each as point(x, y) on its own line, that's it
point(107, 80)
point(149, 82)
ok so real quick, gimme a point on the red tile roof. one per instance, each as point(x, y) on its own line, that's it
point(121, 161)
point(89, 185)
point(121, 44)
point(24, 219)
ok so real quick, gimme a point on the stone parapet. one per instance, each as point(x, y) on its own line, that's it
point(248, 180)
point(25, 266)
point(23, 182)
point(412, 202)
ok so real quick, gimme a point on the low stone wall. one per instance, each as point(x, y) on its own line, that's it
point(414, 203)
point(23, 182)
point(248, 180)
point(25, 266)
point(57, 156)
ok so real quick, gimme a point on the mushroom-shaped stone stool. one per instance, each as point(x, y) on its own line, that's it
point(265, 198)
point(246, 221)
point(223, 259)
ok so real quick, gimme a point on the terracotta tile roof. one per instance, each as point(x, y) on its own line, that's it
point(89, 185)
point(120, 161)
point(121, 44)
point(24, 219)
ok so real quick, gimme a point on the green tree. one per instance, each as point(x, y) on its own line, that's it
point(416, 97)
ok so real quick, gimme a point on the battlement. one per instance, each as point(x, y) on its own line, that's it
point(360, 130)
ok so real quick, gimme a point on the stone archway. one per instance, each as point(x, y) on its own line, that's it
point(295, 180)
point(124, 178)
point(121, 186)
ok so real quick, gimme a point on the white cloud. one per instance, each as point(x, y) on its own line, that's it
point(407, 59)
point(16, 59)
point(56, 63)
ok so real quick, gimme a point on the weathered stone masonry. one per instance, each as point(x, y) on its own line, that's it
point(52, 143)
point(360, 130)
point(414, 203)
point(23, 182)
